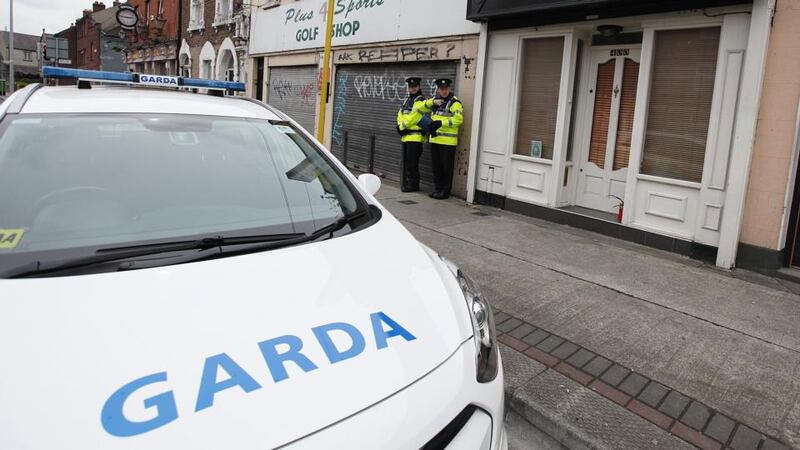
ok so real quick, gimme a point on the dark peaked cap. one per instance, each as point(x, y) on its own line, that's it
point(444, 82)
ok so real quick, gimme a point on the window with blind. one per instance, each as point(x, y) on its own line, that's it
point(602, 112)
point(541, 80)
point(684, 68)
point(627, 106)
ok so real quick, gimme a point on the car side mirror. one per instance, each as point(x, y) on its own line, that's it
point(370, 182)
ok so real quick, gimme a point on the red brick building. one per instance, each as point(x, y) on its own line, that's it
point(153, 45)
point(214, 44)
point(98, 45)
point(71, 35)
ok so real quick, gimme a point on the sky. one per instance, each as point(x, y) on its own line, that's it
point(30, 16)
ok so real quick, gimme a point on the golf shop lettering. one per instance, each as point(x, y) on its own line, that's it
point(341, 29)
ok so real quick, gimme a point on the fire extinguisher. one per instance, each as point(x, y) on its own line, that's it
point(620, 207)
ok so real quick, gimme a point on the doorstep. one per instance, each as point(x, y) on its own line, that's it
point(590, 220)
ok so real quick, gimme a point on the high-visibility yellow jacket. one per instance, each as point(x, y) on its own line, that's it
point(451, 114)
point(408, 118)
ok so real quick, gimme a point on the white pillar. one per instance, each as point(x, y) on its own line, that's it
point(744, 134)
point(474, 142)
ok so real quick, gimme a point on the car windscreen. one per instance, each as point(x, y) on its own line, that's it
point(91, 181)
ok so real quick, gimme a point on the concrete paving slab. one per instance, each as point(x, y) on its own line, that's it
point(518, 369)
point(728, 342)
point(765, 313)
point(487, 266)
point(524, 436)
point(430, 213)
point(580, 358)
point(581, 419)
point(743, 377)
point(387, 191)
point(653, 394)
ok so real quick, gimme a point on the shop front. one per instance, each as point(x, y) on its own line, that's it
point(158, 59)
point(375, 47)
point(634, 122)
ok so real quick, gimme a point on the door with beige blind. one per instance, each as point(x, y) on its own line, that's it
point(611, 100)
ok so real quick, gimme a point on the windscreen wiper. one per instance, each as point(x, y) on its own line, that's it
point(105, 255)
point(327, 230)
point(201, 246)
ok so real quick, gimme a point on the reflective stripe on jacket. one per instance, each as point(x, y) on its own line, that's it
point(451, 115)
point(408, 118)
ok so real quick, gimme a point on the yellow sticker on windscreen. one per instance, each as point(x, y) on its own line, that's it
point(10, 237)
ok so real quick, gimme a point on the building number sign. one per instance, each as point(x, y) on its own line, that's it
point(620, 52)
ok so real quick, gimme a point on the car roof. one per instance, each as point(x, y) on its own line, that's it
point(127, 99)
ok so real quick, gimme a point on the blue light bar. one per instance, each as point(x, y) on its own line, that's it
point(213, 84)
point(140, 79)
point(99, 75)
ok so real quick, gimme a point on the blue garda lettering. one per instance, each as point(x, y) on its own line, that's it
point(381, 335)
point(277, 353)
point(334, 354)
point(209, 385)
point(153, 79)
point(276, 360)
point(114, 421)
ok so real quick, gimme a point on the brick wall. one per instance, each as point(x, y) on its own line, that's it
point(87, 48)
point(170, 8)
point(775, 132)
point(71, 35)
point(195, 39)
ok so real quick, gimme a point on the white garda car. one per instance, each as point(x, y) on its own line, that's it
point(192, 271)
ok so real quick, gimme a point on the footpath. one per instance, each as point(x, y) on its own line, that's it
point(607, 344)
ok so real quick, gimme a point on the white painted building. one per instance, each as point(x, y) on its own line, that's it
point(584, 107)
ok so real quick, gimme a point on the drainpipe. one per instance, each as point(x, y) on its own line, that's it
point(180, 39)
point(10, 88)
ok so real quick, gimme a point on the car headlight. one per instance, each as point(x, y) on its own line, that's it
point(482, 324)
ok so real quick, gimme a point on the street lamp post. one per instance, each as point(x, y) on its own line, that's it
point(11, 46)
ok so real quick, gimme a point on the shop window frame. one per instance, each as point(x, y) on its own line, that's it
point(650, 27)
point(554, 192)
point(710, 125)
point(643, 99)
point(517, 99)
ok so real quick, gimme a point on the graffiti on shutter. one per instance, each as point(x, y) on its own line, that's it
point(366, 99)
point(293, 90)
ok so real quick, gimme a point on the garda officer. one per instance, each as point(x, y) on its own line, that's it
point(411, 134)
point(447, 115)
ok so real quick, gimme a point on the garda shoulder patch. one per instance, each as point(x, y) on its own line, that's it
point(10, 237)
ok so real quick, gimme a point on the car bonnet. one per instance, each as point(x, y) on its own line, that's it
point(244, 352)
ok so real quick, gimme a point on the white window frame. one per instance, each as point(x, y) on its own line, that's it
point(643, 108)
point(553, 191)
point(196, 13)
point(223, 12)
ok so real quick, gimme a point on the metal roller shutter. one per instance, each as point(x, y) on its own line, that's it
point(293, 90)
point(365, 104)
